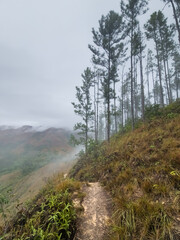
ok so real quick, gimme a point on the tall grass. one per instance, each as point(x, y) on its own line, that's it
point(141, 169)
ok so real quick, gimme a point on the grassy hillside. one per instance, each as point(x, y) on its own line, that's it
point(28, 158)
point(141, 169)
point(18, 189)
point(51, 215)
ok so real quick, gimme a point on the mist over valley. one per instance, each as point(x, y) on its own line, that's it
point(28, 158)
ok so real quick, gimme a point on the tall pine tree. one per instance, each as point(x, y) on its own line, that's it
point(152, 32)
point(106, 52)
point(131, 11)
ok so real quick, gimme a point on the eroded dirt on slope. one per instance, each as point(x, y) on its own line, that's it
point(93, 224)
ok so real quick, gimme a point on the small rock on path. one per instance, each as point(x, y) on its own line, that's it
point(93, 224)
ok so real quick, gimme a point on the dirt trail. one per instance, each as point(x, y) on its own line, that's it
point(93, 224)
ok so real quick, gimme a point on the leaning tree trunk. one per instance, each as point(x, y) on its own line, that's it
point(166, 79)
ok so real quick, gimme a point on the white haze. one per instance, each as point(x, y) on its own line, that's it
point(44, 50)
point(61, 164)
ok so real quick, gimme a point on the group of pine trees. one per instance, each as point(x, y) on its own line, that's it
point(127, 76)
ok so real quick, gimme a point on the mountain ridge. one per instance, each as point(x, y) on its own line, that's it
point(26, 142)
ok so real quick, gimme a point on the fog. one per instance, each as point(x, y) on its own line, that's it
point(20, 188)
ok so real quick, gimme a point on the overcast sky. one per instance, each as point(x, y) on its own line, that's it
point(43, 51)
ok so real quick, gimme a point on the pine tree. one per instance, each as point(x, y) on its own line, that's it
point(109, 46)
point(168, 49)
point(162, 26)
point(152, 32)
point(84, 108)
point(140, 48)
point(162, 34)
point(130, 11)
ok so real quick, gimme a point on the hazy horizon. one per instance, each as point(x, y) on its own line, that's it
point(44, 51)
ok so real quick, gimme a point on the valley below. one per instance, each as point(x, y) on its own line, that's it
point(28, 158)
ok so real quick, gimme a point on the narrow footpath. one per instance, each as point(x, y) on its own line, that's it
point(93, 224)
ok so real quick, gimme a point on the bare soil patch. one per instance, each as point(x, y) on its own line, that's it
point(93, 224)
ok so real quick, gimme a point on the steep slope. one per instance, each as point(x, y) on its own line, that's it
point(18, 189)
point(51, 215)
point(28, 157)
point(141, 169)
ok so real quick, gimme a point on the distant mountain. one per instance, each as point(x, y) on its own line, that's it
point(31, 148)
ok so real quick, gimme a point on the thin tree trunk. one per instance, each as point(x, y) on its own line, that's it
point(132, 90)
point(169, 80)
point(135, 90)
point(153, 85)
point(166, 80)
point(97, 104)
point(115, 115)
point(142, 85)
point(164, 63)
point(108, 102)
point(122, 93)
point(122, 109)
point(160, 77)
point(95, 113)
point(148, 84)
point(86, 143)
point(105, 120)
point(86, 121)
point(177, 86)
point(160, 81)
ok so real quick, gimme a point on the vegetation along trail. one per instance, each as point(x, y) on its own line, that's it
point(93, 223)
